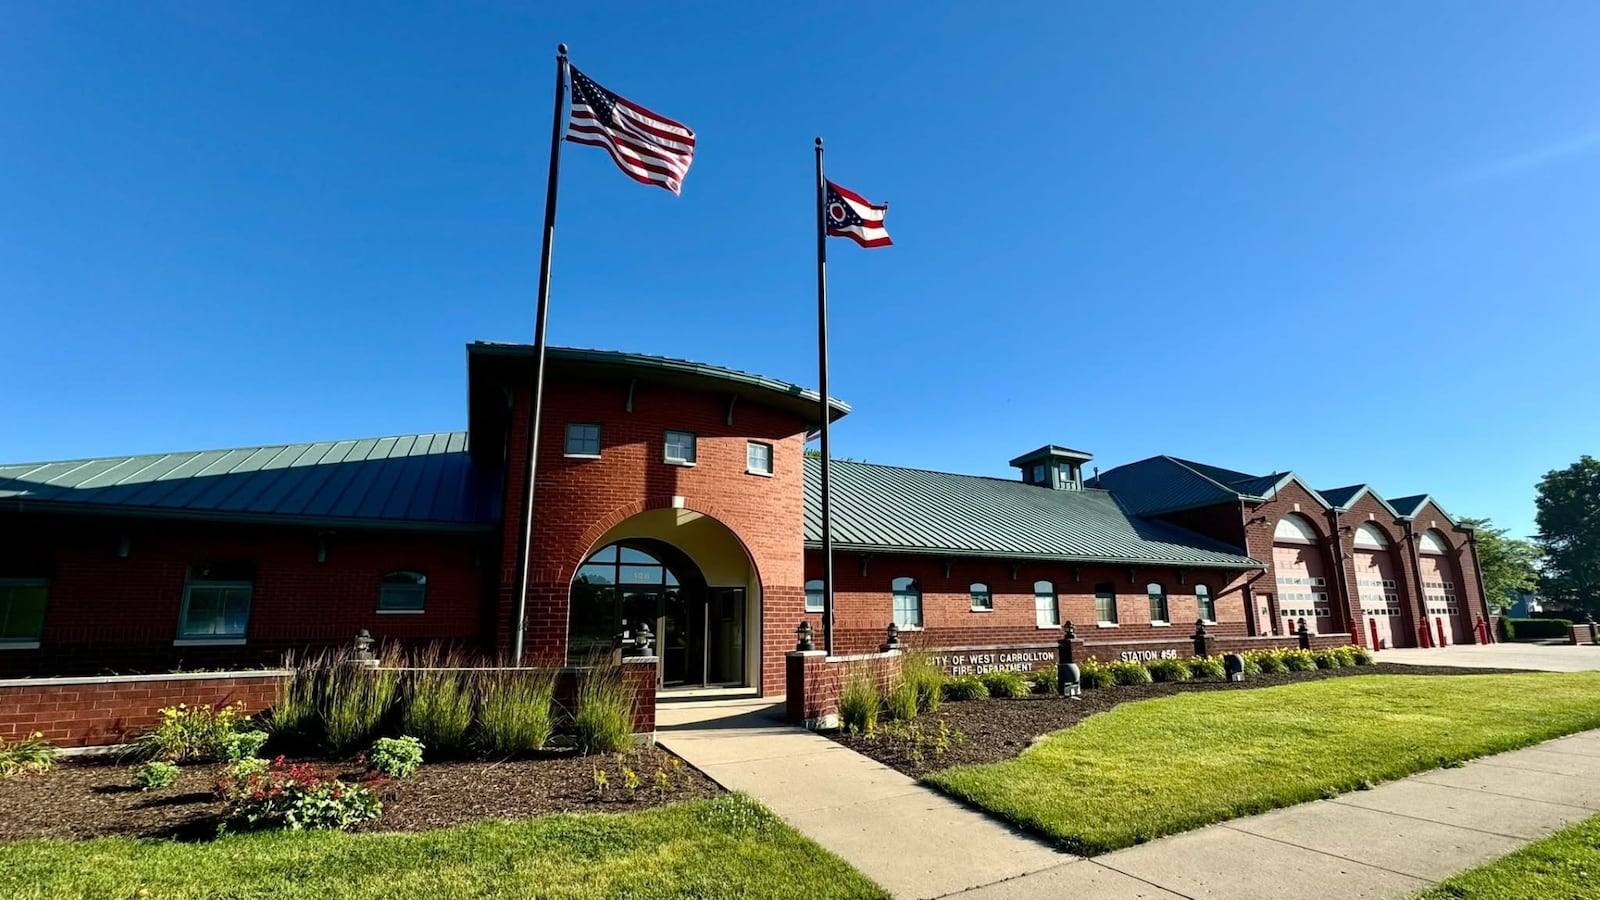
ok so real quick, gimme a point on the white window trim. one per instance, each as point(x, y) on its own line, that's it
point(694, 447)
point(19, 645)
point(771, 462)
point(1108, 624)
point(401, 612)
point(566, 436)
point(209, 642)
point(184, 640)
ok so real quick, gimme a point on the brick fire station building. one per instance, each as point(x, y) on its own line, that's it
point(681, 495)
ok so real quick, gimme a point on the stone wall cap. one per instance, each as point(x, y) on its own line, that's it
point(128, 679)
point(807, 653)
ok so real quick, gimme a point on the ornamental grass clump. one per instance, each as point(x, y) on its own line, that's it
point(603, 717)
point(901, 702)
point(33, 755)
point(1167, 670)
point(514, 713)
point(859, 702)
point(1129, 672)
point(1005, 684)
point(965, 687)
point(918, 668)
point(438, 702)
point(1207, 668)
point(358, 702)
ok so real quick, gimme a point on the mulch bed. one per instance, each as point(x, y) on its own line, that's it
point(995, 729)
point(84, 798)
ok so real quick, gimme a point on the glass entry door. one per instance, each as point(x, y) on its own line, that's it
point(702, 637)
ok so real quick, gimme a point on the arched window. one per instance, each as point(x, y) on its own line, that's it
point(1371, 537)
point(1158, 603)
point(1294, 529)
point(1105, 603)
point(907, 602)
point(1206, 604)
point(1046, 608)
point(615, 589)
point(981, 598)
point(403, 592)
point(814, 595)
point(1433, 543)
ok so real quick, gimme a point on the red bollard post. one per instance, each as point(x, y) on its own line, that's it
point(1424, 636)
point(1439, 623)
point(1373, 625)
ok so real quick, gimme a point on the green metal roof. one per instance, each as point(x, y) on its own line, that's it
point(1341, 497)
point(409, 481)
point(891, 509)
point(1408, 506)
point(1163, 484)
point(1050, 451)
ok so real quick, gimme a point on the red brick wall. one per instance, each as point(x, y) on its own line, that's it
point(814, 681)
point(1465, 559)
point(111, 614)
point(1258, 541)
point(578, 500)
point(864, 603)
point(81, 712)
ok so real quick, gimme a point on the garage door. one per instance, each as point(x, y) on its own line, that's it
point(1439, 587)
point(1301, 576)
point(1377, 588)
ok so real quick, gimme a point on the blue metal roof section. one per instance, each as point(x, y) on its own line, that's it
point(410, 481)
point(1164, 484)
point(891, 509)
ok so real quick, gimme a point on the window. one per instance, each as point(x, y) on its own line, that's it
point(1105, 603)
point(680, 447)
point(216, 602)
point(1206, 603)
point(22, 602)
point(981, 598)
point(758, 458)
point(583, 439)
point(814, 595)
point(1046, 611)
point(907, 603)
point(403, 592)
point(1038, 473)
point(1158, 604)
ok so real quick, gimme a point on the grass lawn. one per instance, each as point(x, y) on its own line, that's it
point(1563, 866)
point(725, 847)
point(1157, 767)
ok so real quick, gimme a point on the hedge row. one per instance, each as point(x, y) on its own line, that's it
point(1534, 629)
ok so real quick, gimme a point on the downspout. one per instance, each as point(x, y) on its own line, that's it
point(1344, 584)
point(1483, 593)
point(1419, 600)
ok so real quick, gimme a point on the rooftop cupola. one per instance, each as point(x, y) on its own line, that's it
point(1057, 468)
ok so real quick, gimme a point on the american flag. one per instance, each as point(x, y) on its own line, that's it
point(851, 215)
point(649, 148)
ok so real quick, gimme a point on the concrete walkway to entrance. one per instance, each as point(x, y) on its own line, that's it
point(1391, 841)
point(1548, 658)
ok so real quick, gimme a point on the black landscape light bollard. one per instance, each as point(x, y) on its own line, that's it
point(1233, 666)
point(364, 644)
point(642, 639)
point(893, 642)
point(1066, 669)
point(1304, 633)
point(802, 636)
point(1201, 639)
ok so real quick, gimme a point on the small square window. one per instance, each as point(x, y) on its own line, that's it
point(583, 439)
point(403, 592)
point(216, 602)
point(22, 603)
point(680, 447)
point(758, 458)
point(814, 595)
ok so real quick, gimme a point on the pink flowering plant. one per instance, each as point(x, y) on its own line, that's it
point(297, 798)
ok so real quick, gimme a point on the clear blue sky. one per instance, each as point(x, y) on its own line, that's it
point(1357, 241)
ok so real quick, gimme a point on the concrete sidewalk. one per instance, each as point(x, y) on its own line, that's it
point(1540, 657)
point(1391, 841)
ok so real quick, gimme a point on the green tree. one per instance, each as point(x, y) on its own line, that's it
point(1569, 533)
point(1507, 564)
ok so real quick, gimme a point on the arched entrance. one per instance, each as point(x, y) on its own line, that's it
point(1438, 577)
point(686, 575)
point(1377, 587)
point(1302, 580)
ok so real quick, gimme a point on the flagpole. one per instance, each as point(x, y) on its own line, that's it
point(540, 316)
point(822, 359)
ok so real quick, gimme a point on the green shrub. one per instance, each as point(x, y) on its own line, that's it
point(438, 709)
point(965, 687)
point(1535, 629)
point(1005, 684)
point(1360, 656)
point(189, 733)
point(242, 745)
point(604, 714)
point(1298, 660)
point(154, 775)
point(901, 703)
point(1093, 674)
point(859, 702)
point(918, 668)
point(1269, 661)
point(1325, 659)
point(1207, 668)
point(1345, 655)
point(399, 757)
point(33, 755)
point(1046, 681)
point(244, 768)
point(1167, 670)
point(1252, 666)
point(514, 713)
point(295, 798)
point(1127, 672)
